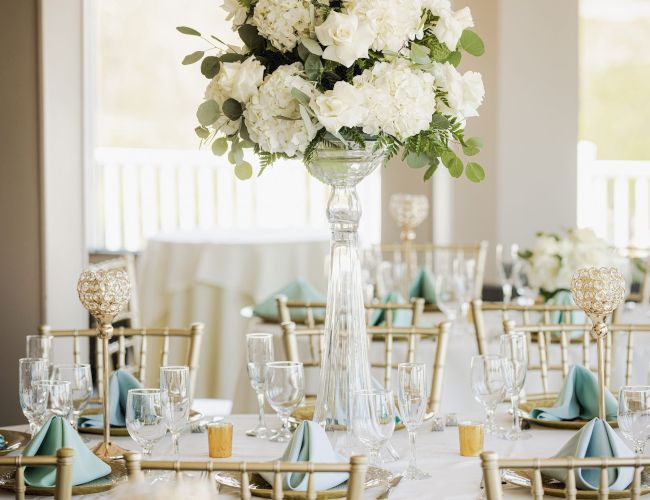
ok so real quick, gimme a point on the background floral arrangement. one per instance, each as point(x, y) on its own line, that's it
point(341, 73)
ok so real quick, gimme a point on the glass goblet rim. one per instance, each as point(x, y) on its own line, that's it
point(143, 391)
point(283, 364)
point(173, 368)
point(71, 365)
point(23, 360)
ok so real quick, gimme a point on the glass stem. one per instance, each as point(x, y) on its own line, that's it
point(507, 293)
point(175, 443)
point(489, 418)
point(639, 447)
point(260, 404)
point(516, 427)
point(412, 459)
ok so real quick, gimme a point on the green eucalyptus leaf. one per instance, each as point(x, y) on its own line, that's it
point(193, 57)
point(244, 170)
point(415, 160)
point(208, 112)
point(454, 58)
point(430, 171)
point(313, 67)
point(237, 153)
point(474, 172)
point(471, 43)
point(202, 132)
point(220, 146)
point(439, 122)
point(312, 45)
point(231, 57)
point(210, 67)
point(420, 54)
point(455, 167)
point(303, 52)
point(447, 156)
point(300, 96)
point(232, 109)
point(472, 146)
point(187, 31)
point(243, 133)
point(251, 37)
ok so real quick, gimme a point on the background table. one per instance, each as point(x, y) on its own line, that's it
point(187, 277)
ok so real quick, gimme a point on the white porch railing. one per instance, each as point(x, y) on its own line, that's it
point(614, 198)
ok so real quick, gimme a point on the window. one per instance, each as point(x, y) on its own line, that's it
point(146, 175)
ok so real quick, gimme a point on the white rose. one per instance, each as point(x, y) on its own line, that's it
point(237, 13)
point(450, 26)
point(343, 106)
point(240, 80)
point(464, 92)
point(346, 38)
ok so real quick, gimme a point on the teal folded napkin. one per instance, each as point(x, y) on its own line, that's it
point(118, 390)
point(297, 290)
point(423, 286)
point(58, 433)
point(578, 398)
point(309, 444)
point(401, 317)
point(595, 439)
point(563, 297)
point(3, 442)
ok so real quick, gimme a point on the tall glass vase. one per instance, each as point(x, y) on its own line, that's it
point(345, 367)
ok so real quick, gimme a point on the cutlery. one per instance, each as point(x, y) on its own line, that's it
point(392, 484)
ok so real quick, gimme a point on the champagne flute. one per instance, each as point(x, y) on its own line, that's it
point(488, 385)
point(58, 399)
point(525, 287)
point(32, 397)
point(145, 419)
point(81, 386)
point(451, 297)
point(285, 388)
point(412, 400)
point(634, 415)
point(175, 400)
point(259, 352)
point(38, 346)
point(373, 420)
point(505, 269)
point(514, 351)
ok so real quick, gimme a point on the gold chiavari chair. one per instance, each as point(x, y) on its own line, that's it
point(192, 336)
point(493, 465)
point(639, 262)
point(630, 330)
point(62, 461)
point(356, 469)
point(410, 335)
point(131, 313)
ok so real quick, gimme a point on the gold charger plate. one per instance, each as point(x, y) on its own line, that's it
point(117, 474)
point(306, 412)
point(555, 488)
point(14, 441)
point(260, 488)
point(121, 431)
point(526, 408)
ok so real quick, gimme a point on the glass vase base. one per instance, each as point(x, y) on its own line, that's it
point(415, 474)
point(512, 435)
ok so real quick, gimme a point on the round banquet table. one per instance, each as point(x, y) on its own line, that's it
point(452, 476)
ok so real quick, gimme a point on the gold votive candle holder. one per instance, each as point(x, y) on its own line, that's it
point(220, 440)
point(470, 436)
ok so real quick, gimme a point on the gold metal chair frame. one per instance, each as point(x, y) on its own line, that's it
point(62, 461)
point(356, 468)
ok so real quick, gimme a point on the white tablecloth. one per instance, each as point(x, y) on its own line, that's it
point(187, 277)
point(452, 476)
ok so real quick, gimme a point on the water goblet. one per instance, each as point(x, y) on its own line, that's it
point(506, 259)
point(81, 386)
point(259, 352)
point(451, 296)
point(175, 400)
point(488, 385)
point(285, 388)
point(38, 346)
point(412, 401)
point(514, 351)
point(58, 399)
point(31, 396)
point(634, 415)
point(145, 419)
point(373, 420)
point(523, 282)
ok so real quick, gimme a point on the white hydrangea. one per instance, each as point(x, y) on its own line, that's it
point(237, 13)
point(400, 100)
point(464, 92)
point(437, 7)
point(343, 106)
point(394, 21)
point(450, 26)
point(282, 22)
point(273, 114)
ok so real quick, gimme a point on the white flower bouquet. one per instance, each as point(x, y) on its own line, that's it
point(340, 73)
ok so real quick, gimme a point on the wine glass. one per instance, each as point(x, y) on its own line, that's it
point(285, 388)
point(145, 419)
point(488, 385)
point(38, 346)
point(32, 397)
point(526, 290)
point(412, 400)
point(58, 399)
point(506, 259)
point(514, 351)
point(259, 352)
point(634, 415)
point(373, 420)
point(451, 296)
point(81, 386)
point(175, 400)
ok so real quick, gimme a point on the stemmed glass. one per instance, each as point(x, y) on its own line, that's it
point(505, 269)
point(32, 397)
point(38, 346)
point(514, 351)
point(259, 352)
point(373, 420)
point(58, 399)
point(175, 400)
point(488, 385)
point(634, 415)
point(412, 400)
point(81, 386)
point(285, 388)
point(451, 296)
point(145, 419)
point(527, 291)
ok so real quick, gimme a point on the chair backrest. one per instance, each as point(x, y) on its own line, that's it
point(131, 312)
point(192, 335)
point(62, 461)
point(410, 335)
point(639, 266)
point(356, 469)
point(630, 330)
point(493, 465)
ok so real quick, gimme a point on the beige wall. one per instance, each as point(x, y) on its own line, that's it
point(20, 239)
